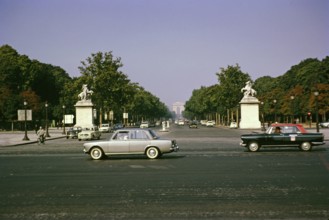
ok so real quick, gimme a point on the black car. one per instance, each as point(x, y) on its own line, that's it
point(73, 132)
point(193, 124)
point(282, 135)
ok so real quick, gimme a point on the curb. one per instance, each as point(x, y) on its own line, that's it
point(33, 142)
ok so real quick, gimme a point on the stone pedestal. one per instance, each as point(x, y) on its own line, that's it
point(84, 113)
point(249, 113)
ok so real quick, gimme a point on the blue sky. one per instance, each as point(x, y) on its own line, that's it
point(170, 47)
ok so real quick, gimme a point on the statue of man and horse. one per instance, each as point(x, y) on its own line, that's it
point(248, 90)
point(85, 94)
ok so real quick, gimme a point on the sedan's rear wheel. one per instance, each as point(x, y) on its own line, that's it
point(306, 146)
point(152, 152)
point(96, 153)
point(253, 146)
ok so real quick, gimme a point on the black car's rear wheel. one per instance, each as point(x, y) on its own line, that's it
point(96, 153)
point(152, 152)
point(306, 146)
point(253, 146)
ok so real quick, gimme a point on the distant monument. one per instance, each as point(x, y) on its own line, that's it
point(178, 108)
point(84, 108)
point(249, 108)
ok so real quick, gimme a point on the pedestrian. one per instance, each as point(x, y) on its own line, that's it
point(41, 135)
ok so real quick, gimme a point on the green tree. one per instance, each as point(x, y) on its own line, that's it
point(231, 80)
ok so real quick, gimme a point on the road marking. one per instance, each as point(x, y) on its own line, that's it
point(137, 166)
point(159, 167)
point(151, 166)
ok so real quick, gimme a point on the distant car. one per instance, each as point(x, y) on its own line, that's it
point(233, 125)
point(193, 124)
point(105, 128)
point(144, 124)
point(210, 124)
point(181, 122)
point(278, 135)
point(89, 133)
point(73, 132)
point(116, 127)
point(324, 124)
point(131, 141)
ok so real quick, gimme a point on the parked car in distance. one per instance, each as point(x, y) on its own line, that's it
point(89, 133)
point(210, 124)
point(131, 141)
point(73, 132)
point(105, 128)
point(116, 127)
point(282, 135)
point(233, 124)
point(144, 124)
point(324, 124)
point(193, 124)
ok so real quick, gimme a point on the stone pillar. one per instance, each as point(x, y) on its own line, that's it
point(249, 113)
point(84, 113)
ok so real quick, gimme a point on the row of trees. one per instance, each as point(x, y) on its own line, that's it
point(23, 79)
point(282, 98)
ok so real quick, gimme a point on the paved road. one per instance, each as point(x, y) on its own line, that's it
point(211, 177)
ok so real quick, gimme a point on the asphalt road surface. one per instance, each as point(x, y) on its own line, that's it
point(212, 177)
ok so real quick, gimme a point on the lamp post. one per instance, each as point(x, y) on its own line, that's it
point(274, 101)
point(47, 133)
point(237, 116)
point(292, 108)
point(25, 136)
point(316, 93)
point(63, 119)
point(262, 116)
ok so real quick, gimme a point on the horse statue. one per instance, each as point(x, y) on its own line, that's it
point(248, 90)
point(85, 94)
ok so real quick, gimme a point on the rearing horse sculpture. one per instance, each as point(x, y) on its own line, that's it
point(84, 95)
point(248, 90)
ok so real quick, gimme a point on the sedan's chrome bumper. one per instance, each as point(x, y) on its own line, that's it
point(318, 143)
point(174, 148)
point(243, 144)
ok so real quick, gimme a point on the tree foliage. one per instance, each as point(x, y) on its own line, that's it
point(292, 91)
point(24, 79)
point(37, 83)
point(113, 90)
point(220, 97)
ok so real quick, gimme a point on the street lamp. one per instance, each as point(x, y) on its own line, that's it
point(274, 101)
point(47, 134)
point(262, 116)
point(292, 108)
point(25, 136)
point(316, 93)
point(63, 119)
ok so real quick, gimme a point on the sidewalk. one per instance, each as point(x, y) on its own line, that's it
point(15, 138)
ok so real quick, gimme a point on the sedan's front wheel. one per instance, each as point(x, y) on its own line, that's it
point(306, 146)
point(96, 153)
point(152, 152)
point(253, 146)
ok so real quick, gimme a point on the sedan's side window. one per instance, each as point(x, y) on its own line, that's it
point(122, 136)
point(140, 134)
